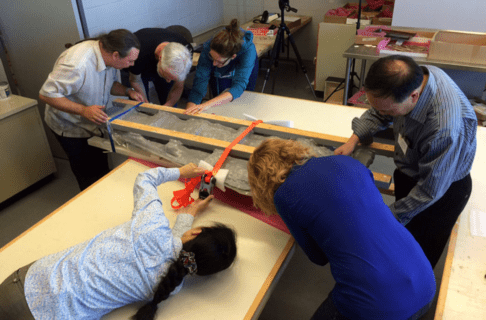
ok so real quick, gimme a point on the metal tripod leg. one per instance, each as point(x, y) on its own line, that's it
point(277, 46)
point(273, 56)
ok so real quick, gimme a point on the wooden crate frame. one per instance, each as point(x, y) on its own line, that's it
point(382, 181)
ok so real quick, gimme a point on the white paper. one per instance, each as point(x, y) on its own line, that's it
point(282, 123)
point(477, 221)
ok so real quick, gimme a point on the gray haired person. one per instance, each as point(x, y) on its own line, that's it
point(165, 60)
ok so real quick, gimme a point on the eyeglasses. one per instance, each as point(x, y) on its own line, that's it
point(221, 63)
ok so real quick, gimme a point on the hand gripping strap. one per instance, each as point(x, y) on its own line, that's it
point(183, 197)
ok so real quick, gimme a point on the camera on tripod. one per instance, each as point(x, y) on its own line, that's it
point(284, 4)
point(280, 46)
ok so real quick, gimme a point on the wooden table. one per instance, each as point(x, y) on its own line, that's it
point(239, 292)
point(462, 293)
point(365, 53)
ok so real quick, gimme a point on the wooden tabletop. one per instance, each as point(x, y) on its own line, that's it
point(462, 293)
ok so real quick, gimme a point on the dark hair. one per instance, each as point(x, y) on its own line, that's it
point(214, 249)
point(120, 40)
point(394, 76)
point(228, 42)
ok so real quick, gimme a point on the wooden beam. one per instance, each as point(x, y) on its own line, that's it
point(187, 139)
point(264, 129)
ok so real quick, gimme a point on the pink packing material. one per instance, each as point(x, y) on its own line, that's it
point(341, 12)
point(375, 4)
point(370, 31)
point(238, 201)
point(387, 13)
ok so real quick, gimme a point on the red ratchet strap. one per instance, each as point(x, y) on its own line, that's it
point(183, 197)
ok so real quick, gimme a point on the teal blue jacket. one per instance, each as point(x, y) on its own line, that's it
point(239, 70)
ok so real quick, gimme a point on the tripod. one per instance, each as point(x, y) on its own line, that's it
point(352, 73)
point(279, 45)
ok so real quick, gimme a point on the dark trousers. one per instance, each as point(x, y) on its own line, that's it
point(218, 85)
point(433, 226)
point(328, 311)
point(162, 87)
point(13, 305)
point(88, 163)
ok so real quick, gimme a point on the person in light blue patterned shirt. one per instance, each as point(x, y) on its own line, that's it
point(139, 260)
point(434, 126)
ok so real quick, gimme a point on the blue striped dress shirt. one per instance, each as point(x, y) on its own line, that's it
point(440, 137)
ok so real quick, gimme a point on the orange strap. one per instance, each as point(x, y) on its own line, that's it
point(183, 197)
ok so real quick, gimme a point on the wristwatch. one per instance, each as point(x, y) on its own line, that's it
point(127, 91)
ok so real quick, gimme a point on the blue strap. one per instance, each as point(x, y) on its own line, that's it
point(110, 130)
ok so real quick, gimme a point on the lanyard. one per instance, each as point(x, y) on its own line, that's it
point(110, 130)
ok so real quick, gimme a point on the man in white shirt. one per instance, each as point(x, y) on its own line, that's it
point(77, 91)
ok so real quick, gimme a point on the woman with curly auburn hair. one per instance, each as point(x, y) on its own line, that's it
point(337, 215)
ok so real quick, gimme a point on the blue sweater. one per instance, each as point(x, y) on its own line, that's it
point(336, 214)
point(239, 70)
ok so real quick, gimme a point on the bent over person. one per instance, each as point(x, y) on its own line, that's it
point(229, 64)
point(165, 60)
point(337, 215)
point(434, 126)
point(76, 92)
point(142, 259)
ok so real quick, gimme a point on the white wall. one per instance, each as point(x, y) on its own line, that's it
point(196, 15)
point(306, 38)
point(464, 15)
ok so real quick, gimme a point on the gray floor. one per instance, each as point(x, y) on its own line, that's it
point(302, 287)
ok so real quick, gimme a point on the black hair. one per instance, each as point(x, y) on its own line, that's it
point(228, 41)
point(394, 76)
point(214, 249)
point(120, 40)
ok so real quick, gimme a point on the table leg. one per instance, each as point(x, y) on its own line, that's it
point(362, 74)
point(346, 81)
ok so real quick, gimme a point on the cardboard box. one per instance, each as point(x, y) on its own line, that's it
point(330, 85)
point(290, 21)
point(362, 22)
point(368, 40)
point(467, 47)
point(335, 19)
point(381, 21)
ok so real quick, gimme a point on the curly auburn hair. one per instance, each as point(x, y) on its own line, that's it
point(269, 166)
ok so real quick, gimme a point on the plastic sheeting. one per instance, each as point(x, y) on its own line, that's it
point(176, 152)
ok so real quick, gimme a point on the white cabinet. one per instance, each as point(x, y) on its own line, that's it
point(332, 41)
point(25, 154)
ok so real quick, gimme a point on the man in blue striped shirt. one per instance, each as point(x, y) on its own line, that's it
point(435, 142)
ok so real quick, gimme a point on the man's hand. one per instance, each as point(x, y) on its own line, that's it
point(191, 171)
point(137, 96)
point(197, 206)
point(347, 148)
point(95, 114)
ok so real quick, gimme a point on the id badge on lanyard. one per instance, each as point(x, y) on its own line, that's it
point(402, 143)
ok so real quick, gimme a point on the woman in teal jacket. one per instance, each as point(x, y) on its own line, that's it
point(229, 63)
